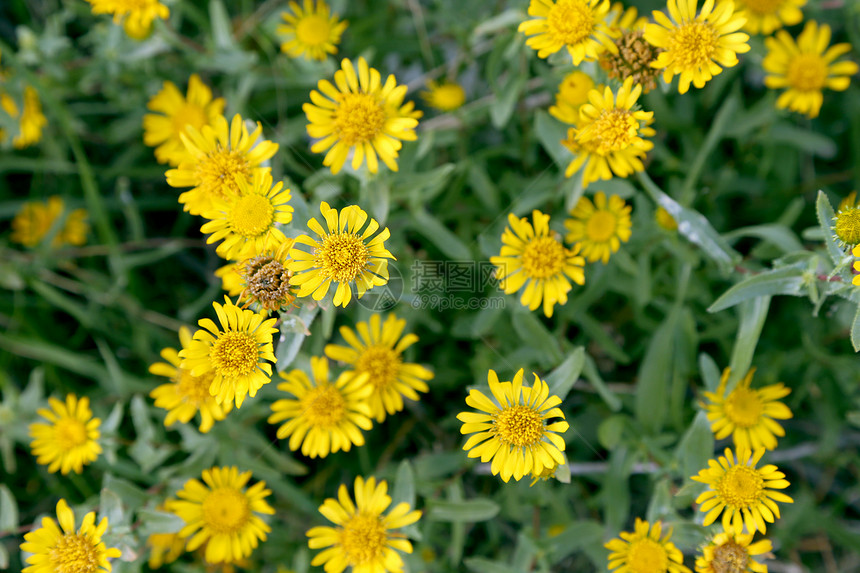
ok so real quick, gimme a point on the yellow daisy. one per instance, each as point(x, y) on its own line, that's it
point(578, 25)
point(376, 351)
point(445, 96)
point(544, 473)
point(231, 280)
point(220, 155)
point(247, 222)
point(572, 93)
point(165, 548)
point(359, 114)
point(747, 415)
point(644, 551)
point(68, 550)
point(695, 46)
point(186, 395)
point(37, 219)
point(600, 227)
point(136, 16)
point(222, 513)
point(174, 112)
point(730, 552)
point(856, 252)
point(264, 280)
point(806, 67)
point(846, 227)
point(608, 139)
point(341, 255)
point(311, 31)
point(767, 16)
point(742, 493)
point(236, 354)
point(31, 122)
point(848, 201)
point(324, 417)
point(362, 538)
point(68, 442)
point(513, 430)
point(533, 257)
point(633, 55)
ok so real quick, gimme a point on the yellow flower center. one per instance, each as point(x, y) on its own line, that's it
point(647, 556)
point(70, 433)
point(252, 216)
point(693, 45)
point(848, 226)
point(448, 96)
point(761, 7)
point(193, 389)
point(744, 407)
point(613, 130)
point(342, 256)
point(225, 510)
point(570, 22)
point(543, 258)
point(358, 118)
point(363, 539)
point(313, 30)
point(235, 354)
point(601, 226)
point(324, 406)
point(574, 89)
point(74, 553)
point(219, 169)
point(741, 486)
point(519, 426)
point(382, 363)
point(807, 72)
point(730, 558)
point(188, 114)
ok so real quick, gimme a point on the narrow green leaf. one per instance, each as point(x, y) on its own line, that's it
point(110, 506)
point(220, 25)
point(824, 212)
point(855, 331)
point(467, 511)
point(4, 557)
point(481, 565)
point(576, 536)
point(593, 376)
point(804, 139)
point(710, 372)
point(8, 511)
point(722, 119)
point(655, 373)
point(404, 491)
point(610, 430)
point(159, 522)
point(753, 314)
point(550, 133)
point(779, 236)
point(532, 331)
point(660, 507)
point(502, 107)
point(295, 328)
point(787, 281)
point(696, 446)
point(435, 232)
point(562, 379)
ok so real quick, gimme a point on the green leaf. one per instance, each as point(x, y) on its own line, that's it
point(550, 133)
point(787, 280)
point(855, 331)
point(753, 314)
point(824, 212)
point(660, 507)
point(696, 447)
point(611, 430)
point(404, 485)
point(295, 328)
point(435, 232)
point(562, 379)
point(655, 374)
point(220, 25)
point(577, 535)
point(481, 565)
point(593, 376)
point(710, 372)
point(502, 107)
point(110, 506)
point(158, 522)
point(803, 139)
point(8, 511)
point(532, 331)
point(467, 511)
point(779, 236)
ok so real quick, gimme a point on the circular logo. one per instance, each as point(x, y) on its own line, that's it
point(385, 297)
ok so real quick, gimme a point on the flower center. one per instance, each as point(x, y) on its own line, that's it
point(188, 114)
point(74, 553)
point(570, 21)
point(730, 558)
point(252, 216)
point(382, 363)
point(764, 6)
point(219, 169)
point(543, 258)
point(193, 389)
point(324, 406)
point(70, 433)
point(234, 354)
point(807, 72)
point(342, 256)
point(268, 282)
point(633, 60)
point(613, 130)
point(363, 539)
point(848, 226)
point(519, 426)
point(744, 407)
point(313, 30)
point(225, 510)
point(693, 44)
point(601, 226)
point(574, 89)
point(647, 556)
point(358, 118)
point(742, 486)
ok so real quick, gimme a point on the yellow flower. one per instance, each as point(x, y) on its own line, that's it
point(324, 417)
point(572, 93)
point(247, 222)
point(644, 551)
point(174, 112)
point(742, 493)
point(236, 355)
point(362, 538)
point(186, 394)
point(730, 552)
point(599, 227)
point(513, 431)
point(341, 256)
point(359, 113)
point(665, 220)
point(633, 55)
point(445, 96)
point(848, 201)
point(36, 220)
point(747, 415)
point(136, 15)
point(68, 442)
point(31, 122)
point(375, 354)
point(856, 252)
point(608, 138)
point(222, 513)
point(806, 67)
point(220, 155)
point(544, 474)
point(766, 16)
point(577, 25)
point(695, 46)
point(311, 31)
point(533, 257)
point(164, 548)
point(262, 280)
point(69, 550)
point(231, 279)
